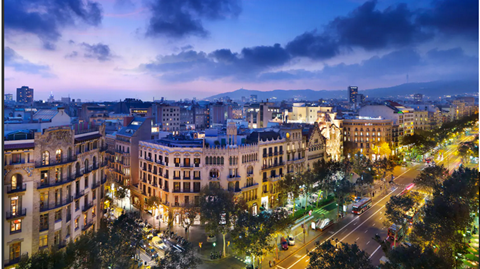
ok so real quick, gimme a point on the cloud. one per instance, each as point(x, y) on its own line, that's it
point(20, 64)
point(98, 51)
point(452, 18)
point(181, 18)
point(191, 65)
point(45, 18)
point(395, 27)
point(73, 54)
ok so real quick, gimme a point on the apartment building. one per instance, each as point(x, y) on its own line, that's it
point(302, 113)
point(53, 188)
point(175, 168)
point(363, 133)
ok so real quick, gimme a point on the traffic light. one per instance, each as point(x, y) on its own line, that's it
point(200, 244)
point(214, 244)
point(228, 243)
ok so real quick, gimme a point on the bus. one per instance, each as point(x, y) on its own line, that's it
point(396, 232)
point(361, 206)
point(407, 189)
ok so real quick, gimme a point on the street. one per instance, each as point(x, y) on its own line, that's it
point(361, 229)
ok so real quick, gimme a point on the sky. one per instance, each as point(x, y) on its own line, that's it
point(114, 49)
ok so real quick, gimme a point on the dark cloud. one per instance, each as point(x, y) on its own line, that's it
point(452, 17)
point(314, 46)
point(45, 18)
point(180, 18)
point(454, 58)
point(192, 65)
point(20, 64)
point(392, 28)
point(98, 51)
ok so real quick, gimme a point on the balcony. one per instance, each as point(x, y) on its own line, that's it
point(275, 178)
point(40, 164)
point(87, 225)
point(87, 206)
point(273, 165)
point(69, 217)
point(234, 190)
point(102, 149)
point(248, 187)
point(18, 188)
point(55, 183)
point(104, 179)
point(214, 178)
point(233, 177)
point(16, 214)
point(95, 185)
point(47, 207)
point(79, 194)
point(265, 155)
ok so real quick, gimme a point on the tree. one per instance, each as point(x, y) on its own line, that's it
point(190, 212)
point(430, 178)
point(341, 189)
point(255, 235)
point(217, 208)
point(326, 172)
point(362, 166)
point(413, 257)
point(173, 259)
point(289, 188)
point(395, 211)
point(464, 151)
point(448, 214)
point(339, 256)
point(382, 149)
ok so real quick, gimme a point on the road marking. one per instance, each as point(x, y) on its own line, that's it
point(350, 222)
point(366, 231)
point(373, 253)
point(381, 218)
point(368, 242)
point(357, 239)
point(373, 224)
point(361, 224)
point(278, 266)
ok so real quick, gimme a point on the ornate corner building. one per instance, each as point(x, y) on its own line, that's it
point(53, 186)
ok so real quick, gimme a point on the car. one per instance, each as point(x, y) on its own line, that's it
point(149, 237)
point(148, 226)
point(141, 224)
point(284, 243)
point(291, 240)
point(160, 245)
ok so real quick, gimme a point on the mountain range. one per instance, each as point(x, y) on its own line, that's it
point(432, 89)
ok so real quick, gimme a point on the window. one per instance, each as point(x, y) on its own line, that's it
point(44, 222)
point(68, 230)
point(43, 240)
point(58, 215)
point(86, 182)
point(58, 174)
point(16, 158)
point(77, 205)
point(186, 174)
point(186, 186)
point(58, 156)
point(16, 226)
point(76, 223)
point(44, 177)
point(176, 186)
point(14, 205)
point(196, 186)
point(57, 236)
point(94, 195)
point(196, 174)
point(45, 158)
point(44, 200)
point(15, 251)
point(187, 200)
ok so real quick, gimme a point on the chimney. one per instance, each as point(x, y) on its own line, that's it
point(127, 120)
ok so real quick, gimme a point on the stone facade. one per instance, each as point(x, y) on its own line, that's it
point(53, 189)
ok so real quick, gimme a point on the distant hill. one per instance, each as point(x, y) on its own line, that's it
point(432, 89)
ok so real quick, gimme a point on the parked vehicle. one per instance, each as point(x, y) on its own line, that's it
point(284, 243)
point(291, 240)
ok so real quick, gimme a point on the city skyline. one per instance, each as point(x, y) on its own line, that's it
point(144, 50)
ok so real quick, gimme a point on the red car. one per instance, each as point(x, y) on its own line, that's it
point(284, 243)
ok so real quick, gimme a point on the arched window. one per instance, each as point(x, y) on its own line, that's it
point(58, 156)
point(214, 160)
point(221, 159)
point(250, 170)
point(237, 186)
point(77, 169)
point(16, 181)
point(86, 165)
point(69, 153)
point(206, 160)
point(94, 161)
point(230, 186)
point(218, 160)
point(45, 158)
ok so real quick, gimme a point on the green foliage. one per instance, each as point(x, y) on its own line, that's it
point(430, 178)
point(107, 248)
point(180, 260)
point(255, 235)
point(341, 256)
point(448, 214)
point(153, 201)
point(413, 257)
point(396, 207)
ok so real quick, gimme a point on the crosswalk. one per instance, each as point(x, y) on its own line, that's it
point(320, 211)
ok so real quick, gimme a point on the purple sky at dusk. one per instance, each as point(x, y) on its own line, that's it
point(115, 49)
